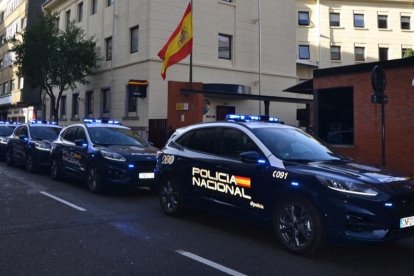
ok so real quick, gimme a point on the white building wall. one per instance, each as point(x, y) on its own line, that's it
point(157, 19)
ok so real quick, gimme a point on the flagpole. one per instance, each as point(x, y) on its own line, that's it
point(191, 54)
point(260, 54)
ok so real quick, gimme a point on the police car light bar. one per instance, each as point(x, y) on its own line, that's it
point(9, 123)
point(43, 122)
point(247, 118)
point(100, 121)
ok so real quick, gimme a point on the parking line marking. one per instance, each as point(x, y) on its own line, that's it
point(210, 263)
point(63, 201)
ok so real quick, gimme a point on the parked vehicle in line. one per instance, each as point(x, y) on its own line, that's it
point(256, 169)
point(105, 153)
point(6, 129)
point(29, 144)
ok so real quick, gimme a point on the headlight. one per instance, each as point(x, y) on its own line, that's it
point(41, 146)
point(3, 140)
point(348, 186)
point(112, 156)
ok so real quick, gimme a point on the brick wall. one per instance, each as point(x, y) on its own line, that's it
point(399, 118)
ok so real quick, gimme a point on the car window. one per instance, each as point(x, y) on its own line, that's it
point(6, 130)
point(44, 133)
point(293, 144)
point(69, 134)
point(80, 134)
point(115, 136)
point(201, 139)
point(234, 141)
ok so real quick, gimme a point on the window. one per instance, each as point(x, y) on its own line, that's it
point(224, 46)
point(234, 142)
point(334, 19)
point(67, 18)
point(201, 139)
point(108, 48)
point(134, 39)
point(382, 53)
point(359, 53)
point(94, 6)
point(105, 100)
point(382, 21)
point(80, 12)
point(109, 3)
point(335, 52)
point(405, 23)
point(89, 102)
point(132, 102)
point(24, 23)
point(12, 86)
point(406, 52)
point(303, 18)
point(75, 105)
point(304, 52)
point(359, 20)
point(63, 106)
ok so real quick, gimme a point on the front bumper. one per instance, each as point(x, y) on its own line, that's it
point(132, 174)
point(371, 220)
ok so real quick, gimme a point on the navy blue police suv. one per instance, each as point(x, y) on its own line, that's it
point(29, 144)
point(104, 153)
point(254, 168)
point(6, 129)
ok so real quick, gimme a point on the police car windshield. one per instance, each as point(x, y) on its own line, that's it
point(44, 133)
point(115, 136)
point(6, 130)
point(291, 144)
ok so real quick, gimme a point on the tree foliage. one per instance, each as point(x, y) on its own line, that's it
point(408, 53)
point(55, 60)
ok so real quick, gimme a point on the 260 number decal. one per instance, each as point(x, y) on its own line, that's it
point(280, 175)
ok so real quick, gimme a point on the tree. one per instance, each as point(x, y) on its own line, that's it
point(55, 60)
point(408, 53)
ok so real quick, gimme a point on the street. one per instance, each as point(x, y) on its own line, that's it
point(59, 228)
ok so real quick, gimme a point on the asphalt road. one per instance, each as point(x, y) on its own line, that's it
point(59, 228)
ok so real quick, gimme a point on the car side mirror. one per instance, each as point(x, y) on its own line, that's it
point(81, 142)
point(23, 137)
point(252, 157)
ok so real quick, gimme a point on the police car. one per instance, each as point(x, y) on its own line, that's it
point(105, 153)
point(262, 171)
point(6, 129)
point(29, 144)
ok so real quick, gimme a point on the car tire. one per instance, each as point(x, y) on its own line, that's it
point(171, 197)
point(30, 164)
point(94, 180)
point(298, 226)
point(55, 171)
point(9, 157)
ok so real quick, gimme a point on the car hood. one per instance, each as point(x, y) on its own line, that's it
point(131, 151)
point(349, 169)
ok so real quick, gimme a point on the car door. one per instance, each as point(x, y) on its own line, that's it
point(194, 163)
point(80, 150)
point(65, 149)
point(20, 144)
point(244, 181)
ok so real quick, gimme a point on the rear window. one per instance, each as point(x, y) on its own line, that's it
point(202, 139)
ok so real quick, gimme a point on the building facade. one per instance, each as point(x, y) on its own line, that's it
point(337, 33)
point(226, 50)
point(18, 101)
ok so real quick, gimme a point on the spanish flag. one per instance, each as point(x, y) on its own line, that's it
point(180, 43)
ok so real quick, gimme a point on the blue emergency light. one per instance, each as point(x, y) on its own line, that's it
point(38, 122)
point(101, 121)
point(249, 118)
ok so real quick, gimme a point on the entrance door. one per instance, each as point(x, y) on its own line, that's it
point(222, 111)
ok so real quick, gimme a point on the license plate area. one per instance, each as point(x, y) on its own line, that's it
point(407, 222)
point(147, 175)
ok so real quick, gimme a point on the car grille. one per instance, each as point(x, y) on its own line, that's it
point(145, 166)
point(404, 204)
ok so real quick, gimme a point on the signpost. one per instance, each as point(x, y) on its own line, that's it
point(379, 82)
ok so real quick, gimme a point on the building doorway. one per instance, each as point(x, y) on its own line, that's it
point(223, 110)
